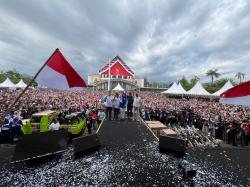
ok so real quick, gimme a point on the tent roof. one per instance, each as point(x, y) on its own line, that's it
point(181, 88)
point(198, 89)
point(21, 84)
point(7, 84)
point(118, 88)
point(174, 89)
point(226, 86)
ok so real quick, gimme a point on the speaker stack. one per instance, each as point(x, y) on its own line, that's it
point(86, 144)
point(169, 144)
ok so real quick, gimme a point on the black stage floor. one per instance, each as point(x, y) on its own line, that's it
point(129, 157)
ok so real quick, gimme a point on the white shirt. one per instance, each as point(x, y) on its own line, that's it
point(116, 102)
point(101, 115)
point(136, 102)
point(109, 101)
point(54, 126)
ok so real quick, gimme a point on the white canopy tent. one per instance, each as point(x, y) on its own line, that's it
point(198, 89)
point(7, 84)
point(174, 89)
point(21, 84)
point(118, 88)
point(181, 88)
point(226, 86)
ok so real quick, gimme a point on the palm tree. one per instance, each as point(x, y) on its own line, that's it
point(240, 76)
point(194, 80)
point(213, 73)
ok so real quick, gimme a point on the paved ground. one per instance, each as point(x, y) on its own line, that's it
point(129, 157)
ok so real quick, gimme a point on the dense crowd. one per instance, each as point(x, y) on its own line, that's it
point(38, 100)
point(221, 121)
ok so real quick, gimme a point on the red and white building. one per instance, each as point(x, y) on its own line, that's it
point(119, 73)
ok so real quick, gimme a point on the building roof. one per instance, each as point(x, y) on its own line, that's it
point(113, 62)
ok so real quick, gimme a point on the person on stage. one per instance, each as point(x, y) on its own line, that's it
point(136, 106)
point(123, 102)
point(109, 104)
point(116, 106)
point(130, 101)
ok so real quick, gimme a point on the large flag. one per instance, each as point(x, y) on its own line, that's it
point(58, 73)
point(238, 95)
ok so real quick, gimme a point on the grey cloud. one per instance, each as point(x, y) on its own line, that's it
point(161, 40)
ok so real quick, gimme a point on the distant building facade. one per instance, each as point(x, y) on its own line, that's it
point(119, 73)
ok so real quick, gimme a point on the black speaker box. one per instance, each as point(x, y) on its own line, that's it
point(168, 144)
point(187, 174)
point(40, 145)
point(86, 144)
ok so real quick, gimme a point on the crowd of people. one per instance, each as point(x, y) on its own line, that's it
point(226, 122)
point(37, 100)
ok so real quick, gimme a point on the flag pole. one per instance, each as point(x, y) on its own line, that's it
point(109, 77)
point(25, 89)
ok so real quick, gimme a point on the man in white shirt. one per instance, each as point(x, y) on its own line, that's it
point(54, 125)
point(136, 106)
point(109, 104)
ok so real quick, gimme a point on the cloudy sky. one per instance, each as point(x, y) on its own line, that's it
point(160, 40)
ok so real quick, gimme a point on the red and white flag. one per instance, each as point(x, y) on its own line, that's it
point(59, 74)
point(238, 95)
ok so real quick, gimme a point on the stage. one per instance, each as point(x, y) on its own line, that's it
point(129, 156)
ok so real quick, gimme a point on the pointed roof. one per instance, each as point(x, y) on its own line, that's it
point(174, 89)
point(115, 60)
point(118, 88)
point(21, 84)
point(198, 89)
point(7, 84)
point(226, 86)
point(181, 88)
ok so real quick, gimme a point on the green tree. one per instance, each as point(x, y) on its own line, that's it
point(194, 80)
point(217, 85)
point(213, 73)
point(155, 84)
point(185, 83)
point(15, 77)
point(240, 76)
point(146, 83)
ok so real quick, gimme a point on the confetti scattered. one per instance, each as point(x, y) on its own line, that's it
point(129, 156)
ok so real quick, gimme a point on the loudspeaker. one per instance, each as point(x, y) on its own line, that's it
point(86, 144)
point(168, 144)
point(40, 145)
point(187, 174)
